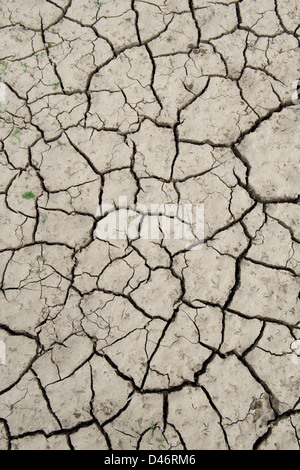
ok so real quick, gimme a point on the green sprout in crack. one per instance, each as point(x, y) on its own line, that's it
point(26, 67)
point(28, 195)
point(41, 54)
point(136, 432)
point(98, 3)
point(38, 268)
point(16, 135)
point(160, 444)
point(4, 65)
point(71, 199)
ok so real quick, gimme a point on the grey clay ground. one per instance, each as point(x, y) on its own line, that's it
point(144, 344)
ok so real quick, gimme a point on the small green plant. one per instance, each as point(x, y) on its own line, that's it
point(55, 85)
point(26, 67)
point(136, 432)
point(4, 66)
point(159, 441)
point(44, 219)
point(28, 195)
point(98, 3)
point(169, 39)
point(61, 143)
point(16, 136)
point(38, 268)
point(227, 133)
point(41, 54)
point(72, 198)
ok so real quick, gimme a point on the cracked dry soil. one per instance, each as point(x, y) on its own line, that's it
point(134, 343)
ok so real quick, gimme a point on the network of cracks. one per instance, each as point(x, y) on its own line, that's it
point(137, 343)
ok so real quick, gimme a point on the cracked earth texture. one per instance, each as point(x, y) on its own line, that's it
point(145, 344)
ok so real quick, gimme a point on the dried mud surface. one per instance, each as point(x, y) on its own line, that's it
point(144, 344)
